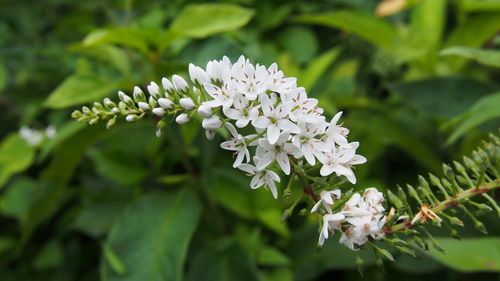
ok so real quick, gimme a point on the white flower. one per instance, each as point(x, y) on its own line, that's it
point(219, 71)
point(330, 222)
point(221, 97)
point(336, 132)
point(237, 144)
point(249, 80)
point(187, 103)
point(306, 142)
point(32, 136)
point(340, 160)
point(211, 123)
point(275, 119)
point(261, 177)
point(243, 112)
point(326, 199)
point(279, 151)
point(179, 83)
point(50, 132)
point(182, 118)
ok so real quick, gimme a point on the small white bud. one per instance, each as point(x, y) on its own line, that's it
point(167, 85)
point(165, 103)
point(159, 111)
point(131, 117)
point(211, 123)
point(187, 103)
point(183, 118)
point(205, 110)
point(179, 83)
point(197, 74)
point(115, 110)
point(143, 106)
point(210, 134)
point(138, 94)
point(154, 90)
point(125, 99)
point(109, 103)
point(159, 132)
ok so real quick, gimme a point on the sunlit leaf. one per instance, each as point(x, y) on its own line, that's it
point(486, 57)
point(15, 156)
point(485, 109)
point(202, 20)
point(367, 26)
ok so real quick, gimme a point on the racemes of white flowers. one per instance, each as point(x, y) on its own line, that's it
point(360, 218)
point(273, 125)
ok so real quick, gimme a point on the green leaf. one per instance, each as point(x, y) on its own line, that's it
point(222, 260)
point(468, 255)
point(427, 23)
point(441, 97)
point(317, 68)
point(106, 53)
point(16, 155)
point(97, 218)
point(300, 42)
point(272, 257)
point(126, 36)
point(367, 26)
point(15, 202)
point(479, 5)
point(152, 235)
point(203, 20)
point(473, 32)
point(81, 88)
point(486, 57)
point(487, 108)
point(50, 256)
point(113, 260)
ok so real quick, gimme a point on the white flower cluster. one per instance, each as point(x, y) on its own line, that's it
point(35, 137)
point(361, 217)
point(285, 125)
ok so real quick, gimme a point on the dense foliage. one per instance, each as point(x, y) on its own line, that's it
point(418, 85)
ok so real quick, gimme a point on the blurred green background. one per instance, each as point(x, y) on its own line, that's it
point(418, 82)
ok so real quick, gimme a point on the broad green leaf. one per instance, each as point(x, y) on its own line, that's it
point(469, 255)
point(16, 155)
point(272, 257)
point(202, 20)
point(125, 36)
point(222, 260)
point(486, 57)
point(50, 256)
point(367, 26)
point(317, 68)
point(441, 97)
point(485, 109)
point(107, 54)
point(473, 32)
point(81, 88)
point(97, 218)
point(479, 5)
point(16, 200)
point(300, 42)
point(152, 236)
point(113, 260)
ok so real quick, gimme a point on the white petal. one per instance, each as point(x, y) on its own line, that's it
point(284, 162)
point(273, 133)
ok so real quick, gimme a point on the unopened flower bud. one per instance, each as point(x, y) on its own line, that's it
point(111, 122)
point(205, 110)
point(131, 118)
point(154, 90)
point(76, 114)
point(210, 134)
point(126, 99)
point(143, 106)
point(159, 111)
point(139, 94)
point(211, 123)
point(179, 83)
point(197, 74)
point(167, 85)
point(182, 118)
point(109, 103)
point(187, 103)
point(165, 103)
